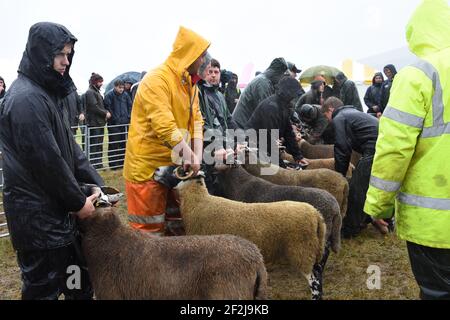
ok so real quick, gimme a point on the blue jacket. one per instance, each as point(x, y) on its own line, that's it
point(119, 106)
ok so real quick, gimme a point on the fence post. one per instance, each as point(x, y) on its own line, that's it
point(87, 144)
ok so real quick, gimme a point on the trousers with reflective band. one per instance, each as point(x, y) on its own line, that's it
point(147, 203)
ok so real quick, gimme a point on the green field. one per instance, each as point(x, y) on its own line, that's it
point(345, 276)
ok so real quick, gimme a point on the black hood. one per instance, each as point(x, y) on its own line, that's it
point(392, 68)
point(45, 41)
point(341, 78)
point(276, 70)
point(288, 89)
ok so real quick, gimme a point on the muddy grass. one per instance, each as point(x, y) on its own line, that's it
point(345, 276)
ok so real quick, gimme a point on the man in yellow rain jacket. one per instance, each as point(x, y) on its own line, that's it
point(411, 166)
point(166, 125)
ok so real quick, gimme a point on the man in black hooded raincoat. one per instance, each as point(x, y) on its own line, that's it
point(258, 89)
point(44, 168)
point(274, 113)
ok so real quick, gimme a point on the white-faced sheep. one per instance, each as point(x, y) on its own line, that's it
point(286, 231)
point(129, 264)
point(325, 179)
point(239, 185)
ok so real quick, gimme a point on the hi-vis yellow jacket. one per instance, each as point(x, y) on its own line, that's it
point(412, 161)
point(165, 108)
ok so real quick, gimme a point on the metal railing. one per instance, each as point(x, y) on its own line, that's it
point(104, 147)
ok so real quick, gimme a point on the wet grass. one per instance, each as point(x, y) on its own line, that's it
point(345, 276)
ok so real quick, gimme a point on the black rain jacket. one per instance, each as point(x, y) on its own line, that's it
point(354, 130)
point(43, 165)
point(275, 113)
point(260, 88)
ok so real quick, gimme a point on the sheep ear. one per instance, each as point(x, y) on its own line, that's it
point(201, 174)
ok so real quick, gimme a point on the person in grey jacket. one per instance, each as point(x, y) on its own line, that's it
point(260, 88)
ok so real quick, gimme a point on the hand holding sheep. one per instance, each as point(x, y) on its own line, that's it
point(88, 208)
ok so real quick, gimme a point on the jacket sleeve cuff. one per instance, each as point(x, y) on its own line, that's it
point(78, 203)
point(387, 214)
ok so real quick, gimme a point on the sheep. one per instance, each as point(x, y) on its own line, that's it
point(316, 151)
point(129, 264)
point(239, 185)
point(325, 179)
point(319, 164)
point(328, 164)
point(284, 231)
point(323, 151)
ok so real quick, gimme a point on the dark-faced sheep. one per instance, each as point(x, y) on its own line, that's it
point(325, 179)
point(285, 231)
point(239, 185)
point(128, 264)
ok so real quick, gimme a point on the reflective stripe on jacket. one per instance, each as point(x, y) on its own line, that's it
point(411, 166)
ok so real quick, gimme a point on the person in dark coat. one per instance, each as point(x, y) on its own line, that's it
point(96, 117)
point(72, 103)
point(2, 87)
point(44, 168)
point(315, 121)
point(260, 88)
point(390, 73)
point(372, 98)
point(118, 103)
point(2, 94)
point(217, 120)
point(274, 113)
point(128, 84)
point(232, 93)
point(212, 102)
point(292, 70)
point(348, 92)
point(135, 87)
point(354, 130)
point(313, 96)
point(327, 90)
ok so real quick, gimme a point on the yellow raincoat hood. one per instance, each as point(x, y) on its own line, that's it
point(428, 30)
point(187, 48)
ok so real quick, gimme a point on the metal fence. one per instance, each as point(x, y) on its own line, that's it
point(103, 146)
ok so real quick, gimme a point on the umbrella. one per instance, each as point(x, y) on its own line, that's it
point(131, 76)
point(327, 72)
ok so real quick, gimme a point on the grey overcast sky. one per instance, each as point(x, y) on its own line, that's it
point(116, 36)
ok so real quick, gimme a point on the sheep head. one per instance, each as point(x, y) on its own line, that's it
point(165, 175)
point(103, 217)
point(189, 181)
point(174, 176)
